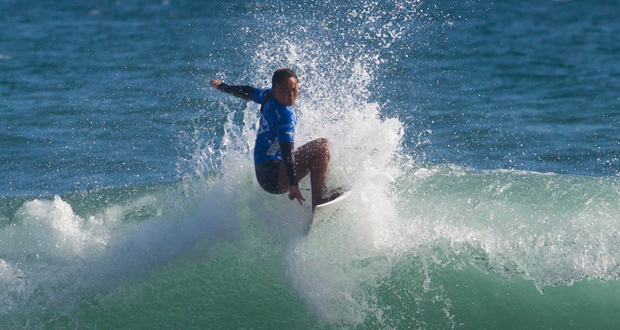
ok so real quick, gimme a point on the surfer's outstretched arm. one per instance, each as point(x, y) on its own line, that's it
point(244, 92)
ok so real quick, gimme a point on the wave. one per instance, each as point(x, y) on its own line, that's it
point(432, 244)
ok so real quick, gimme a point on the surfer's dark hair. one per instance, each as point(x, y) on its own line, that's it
point(282, 75)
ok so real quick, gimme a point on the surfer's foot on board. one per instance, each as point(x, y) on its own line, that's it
point(330, 195)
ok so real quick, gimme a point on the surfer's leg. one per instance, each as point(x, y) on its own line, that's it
point(311, 158)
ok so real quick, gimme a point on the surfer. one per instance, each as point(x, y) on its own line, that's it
point(277, 164)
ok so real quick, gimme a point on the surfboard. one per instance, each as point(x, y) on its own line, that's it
point(324, 211)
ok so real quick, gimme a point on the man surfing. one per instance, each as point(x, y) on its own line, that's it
point(277, 164)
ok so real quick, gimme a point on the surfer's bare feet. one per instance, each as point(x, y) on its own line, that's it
point(335, 193)
point(332, 194)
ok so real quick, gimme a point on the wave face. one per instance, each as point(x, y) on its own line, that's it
point(480, 148)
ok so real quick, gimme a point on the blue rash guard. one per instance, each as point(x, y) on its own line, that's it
point(277, 124)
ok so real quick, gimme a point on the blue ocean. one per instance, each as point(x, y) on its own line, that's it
point(480, 139)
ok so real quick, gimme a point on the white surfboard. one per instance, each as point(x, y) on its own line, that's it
point(324, 211)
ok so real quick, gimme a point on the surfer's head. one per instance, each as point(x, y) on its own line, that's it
point(284, 86)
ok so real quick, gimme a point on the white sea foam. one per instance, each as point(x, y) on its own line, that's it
point(52, 253)
point(331, 269)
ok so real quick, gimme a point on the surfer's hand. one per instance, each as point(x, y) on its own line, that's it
point(215, 83)
point(294, 193)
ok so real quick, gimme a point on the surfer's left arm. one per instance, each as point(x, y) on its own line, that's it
point(288, 157)
point(244, 92)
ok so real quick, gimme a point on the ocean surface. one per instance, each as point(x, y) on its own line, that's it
point(480, 139)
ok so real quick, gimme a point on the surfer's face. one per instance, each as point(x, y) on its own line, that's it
point(286, 91)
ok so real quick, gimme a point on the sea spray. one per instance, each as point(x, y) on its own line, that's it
point(333, 269)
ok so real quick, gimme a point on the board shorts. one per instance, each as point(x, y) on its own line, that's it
point(268, 175)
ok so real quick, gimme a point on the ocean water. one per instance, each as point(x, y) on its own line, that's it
point(480, 139)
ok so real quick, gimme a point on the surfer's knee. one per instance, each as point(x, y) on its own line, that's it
point(323, 150)
point(322, 141)
point(318, 151)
